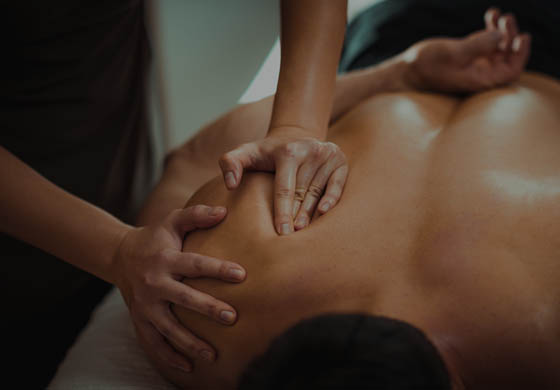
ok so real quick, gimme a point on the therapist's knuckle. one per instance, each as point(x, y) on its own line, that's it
point(197, 264)
point(290, 150)
point(335, 151)
point(164, 257)
point(199, 211)
point(315, 150)
point(194, 347)
point(283, 193)
point(173, 213)
point(223, 269)
point(315, 191)
point(165, 331)
point(186, 299)
point(226, 160)
point(150, 280)
point(211, 309)
point(283, 218)
point(338, 182)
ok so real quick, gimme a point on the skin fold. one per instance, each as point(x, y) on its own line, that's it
point(449, 220)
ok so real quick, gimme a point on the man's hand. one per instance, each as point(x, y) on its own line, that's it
point(149, 267)
point(310, 174)
point(485, 59)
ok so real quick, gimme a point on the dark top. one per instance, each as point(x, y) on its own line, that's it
point(73, 107)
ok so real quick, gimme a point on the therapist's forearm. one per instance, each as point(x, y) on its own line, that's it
point(195, 162)
point(36, 211)
point(311, 42)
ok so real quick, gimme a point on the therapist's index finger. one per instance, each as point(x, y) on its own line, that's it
point(284, 190)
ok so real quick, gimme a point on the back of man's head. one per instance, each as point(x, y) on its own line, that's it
point(351, 351)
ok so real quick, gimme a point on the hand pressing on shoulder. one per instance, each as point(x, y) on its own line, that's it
point(309, 174)
point(484, 59)
point(149, 268)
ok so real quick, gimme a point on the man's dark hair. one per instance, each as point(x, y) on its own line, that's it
point(350, 351)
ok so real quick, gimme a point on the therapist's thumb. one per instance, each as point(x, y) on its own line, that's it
point(195, 217)
point(232, 164)
point(481, 43)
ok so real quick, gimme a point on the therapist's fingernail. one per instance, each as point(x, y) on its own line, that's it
point(236, 273)
point(285, 228)
point(215, 211)
point(325, 206)
point(230, 179)
point(301, 222)
point(207, 355)
point(183, 368)
point(227, 316)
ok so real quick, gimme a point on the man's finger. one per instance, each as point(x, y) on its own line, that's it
point(195, 217)
point(508, 27)
point(284, 190)
point(156, 343)
point(491, 18)
point(521, 49)
point(189, 298)
point(480, 43)
point(180, 337)
point(194, 265)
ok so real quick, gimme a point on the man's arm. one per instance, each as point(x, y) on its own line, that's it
point(459, 65)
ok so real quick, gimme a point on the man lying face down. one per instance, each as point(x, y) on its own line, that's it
point(438, 268)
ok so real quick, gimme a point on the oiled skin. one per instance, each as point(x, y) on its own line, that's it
point(455, 229)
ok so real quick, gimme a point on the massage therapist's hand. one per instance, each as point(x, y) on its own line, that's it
point(485, 59)
point(310, 174)
point(149, 267)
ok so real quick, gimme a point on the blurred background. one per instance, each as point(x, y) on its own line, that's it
point(209, 55)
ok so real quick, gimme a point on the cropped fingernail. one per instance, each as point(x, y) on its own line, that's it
point(227, 316)
point(207, 355)
point(230, 179)
point(236, 273)
point(215, 211)
point(325, 206)
point(285, 228)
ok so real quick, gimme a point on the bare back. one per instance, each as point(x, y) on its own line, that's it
point(459, 214)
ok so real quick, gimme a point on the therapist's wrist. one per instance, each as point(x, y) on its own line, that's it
point(112, 275)
point(295, 131)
